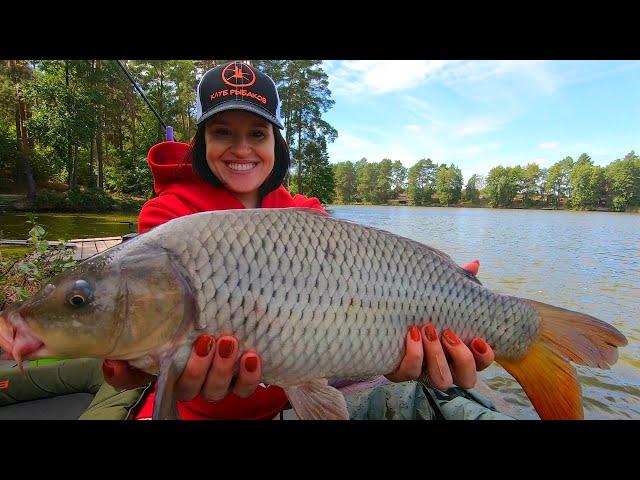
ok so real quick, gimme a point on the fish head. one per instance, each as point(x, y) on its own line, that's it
point(119, 306)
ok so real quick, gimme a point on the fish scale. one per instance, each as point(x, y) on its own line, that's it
point(343, 295)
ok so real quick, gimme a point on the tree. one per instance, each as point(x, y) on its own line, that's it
point(586, 182)
point(421, 182)
point(367, 181)
point(398, 178)
point(531, 175)
point(384, 179)
point(319, 179)
point(20, 72)
point(304, 89)
point(448, 184)
point(623, 182)
point(502, 185)
point(346, 182)
point(558, 180)
point(471, 193)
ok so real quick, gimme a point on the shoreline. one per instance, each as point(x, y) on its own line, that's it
point(561, 209)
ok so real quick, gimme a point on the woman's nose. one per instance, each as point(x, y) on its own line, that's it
point(241, 146)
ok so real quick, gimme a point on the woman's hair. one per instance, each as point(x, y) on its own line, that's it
point(198, 154)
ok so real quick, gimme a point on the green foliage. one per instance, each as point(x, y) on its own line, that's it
point(83, 200)
point(21, 277)
point(558, 179)
point(367, 181)
point(587, 183)
point(421, 182)
point(346, 183)
point(471, 193)
point(318, 180)
point(502, 185)
point(448, 184)
point(622, 177)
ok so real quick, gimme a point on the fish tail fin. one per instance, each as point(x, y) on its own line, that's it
point(546, 375)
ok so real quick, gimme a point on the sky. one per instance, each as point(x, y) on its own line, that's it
point(480, 114)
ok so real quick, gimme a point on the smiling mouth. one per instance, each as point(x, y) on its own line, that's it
point(241, 167)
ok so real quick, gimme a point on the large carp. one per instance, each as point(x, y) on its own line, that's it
point(314, 296)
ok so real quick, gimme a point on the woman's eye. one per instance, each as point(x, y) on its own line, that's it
point(222, 132)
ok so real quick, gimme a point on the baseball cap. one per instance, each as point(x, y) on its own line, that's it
point(237, 86)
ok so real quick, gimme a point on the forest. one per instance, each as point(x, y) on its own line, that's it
point(74, 135)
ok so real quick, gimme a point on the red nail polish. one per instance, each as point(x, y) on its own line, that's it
point(450, 337)
point(479, 346)
point(204, 345)
point(430, 332)
point(107, 369)
point(415, 333)
point(251, 363)
point(225, 347)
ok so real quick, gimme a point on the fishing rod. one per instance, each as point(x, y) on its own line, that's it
point(168, 129)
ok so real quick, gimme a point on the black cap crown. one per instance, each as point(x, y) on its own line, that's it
point(237, 86)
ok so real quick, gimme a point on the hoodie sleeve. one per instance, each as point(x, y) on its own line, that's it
point(306, 202)
point(160, 210)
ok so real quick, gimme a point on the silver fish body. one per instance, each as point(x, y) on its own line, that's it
point(318, 297)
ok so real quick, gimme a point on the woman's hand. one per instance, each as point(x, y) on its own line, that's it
point(448, 361)
point(209, 371)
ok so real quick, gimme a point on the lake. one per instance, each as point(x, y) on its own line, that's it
point(585, 261)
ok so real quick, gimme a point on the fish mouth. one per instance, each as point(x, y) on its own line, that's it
point(17, 339)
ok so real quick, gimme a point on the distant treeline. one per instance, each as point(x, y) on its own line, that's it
point(573, 184)
point(80, 125)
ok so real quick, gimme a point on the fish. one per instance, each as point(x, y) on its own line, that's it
point(316, 297)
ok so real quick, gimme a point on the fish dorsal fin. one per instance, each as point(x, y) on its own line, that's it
point(470, 275)
point(317, 400)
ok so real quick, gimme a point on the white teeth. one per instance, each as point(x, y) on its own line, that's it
point(241, 166)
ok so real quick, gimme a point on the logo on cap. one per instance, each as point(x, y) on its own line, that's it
point(238, 75)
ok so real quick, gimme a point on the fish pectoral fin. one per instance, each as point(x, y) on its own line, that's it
point(165, 406)
point(317, 400)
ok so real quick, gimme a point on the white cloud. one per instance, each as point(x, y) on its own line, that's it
point(477, 125)
point(373, 77)
point(549, 145)
point(360, 78)
point(413, 128)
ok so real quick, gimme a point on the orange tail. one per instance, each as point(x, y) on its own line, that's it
point(545, 373)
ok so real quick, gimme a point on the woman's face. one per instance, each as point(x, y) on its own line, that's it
point(240, 150)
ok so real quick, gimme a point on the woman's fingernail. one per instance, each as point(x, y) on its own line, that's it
point(225, 347)
point(107, 369)
point(430, 332)
point(251, 363)
point(479, 346)
point(204, 345)
point(415, 333)
point(450, 337)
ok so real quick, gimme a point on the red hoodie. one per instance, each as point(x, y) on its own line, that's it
point(181, 192)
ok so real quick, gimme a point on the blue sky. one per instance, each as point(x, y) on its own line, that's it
point(480, 114)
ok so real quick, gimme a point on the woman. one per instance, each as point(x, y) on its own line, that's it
point(239, 159)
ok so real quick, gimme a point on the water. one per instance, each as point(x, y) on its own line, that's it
point(69, 225)
point(585, 261)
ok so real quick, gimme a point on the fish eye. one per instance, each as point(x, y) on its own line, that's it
point(80, 294)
